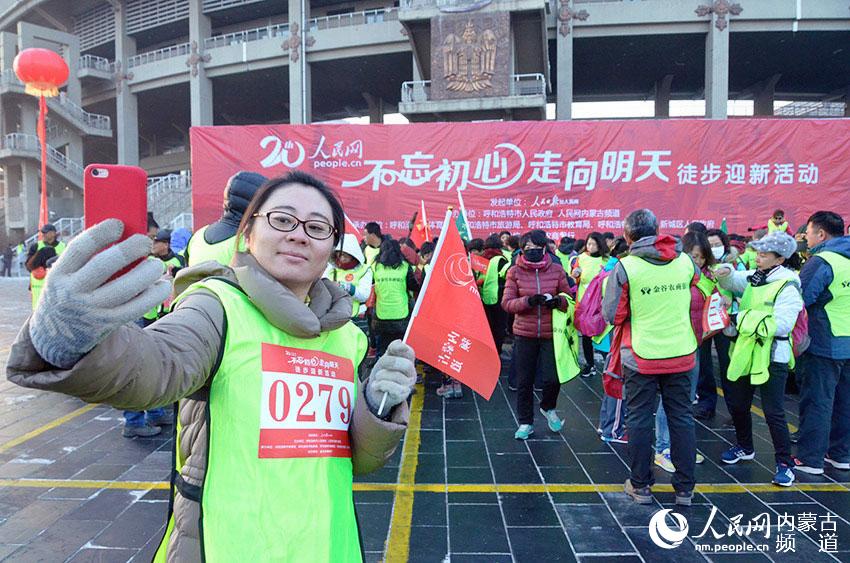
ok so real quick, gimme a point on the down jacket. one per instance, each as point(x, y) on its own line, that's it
point(172, 359)
point(531, 278)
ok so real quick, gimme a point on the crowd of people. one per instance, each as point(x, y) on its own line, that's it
point(650, 313)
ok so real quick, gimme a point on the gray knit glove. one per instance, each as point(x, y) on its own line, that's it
point(393, 374)
point(79, 308)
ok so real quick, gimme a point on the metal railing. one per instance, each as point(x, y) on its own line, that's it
point(169, 196)
point(94, 62)
point(354, 18)
point(520, 85)
point(29, 143)
point(280, 30)
point(159, 55)
point(66, 228)
point(182, 221)
point(811, 109)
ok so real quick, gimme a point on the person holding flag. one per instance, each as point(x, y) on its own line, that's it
point(533, 289)
point(421, 232)
point(349, 269)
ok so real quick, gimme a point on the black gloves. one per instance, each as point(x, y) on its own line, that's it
point(535, 300)
point(554, 302)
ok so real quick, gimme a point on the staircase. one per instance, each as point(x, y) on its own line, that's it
point(23, 145)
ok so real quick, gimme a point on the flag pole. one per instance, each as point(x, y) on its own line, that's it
point(422, 292)
point(463, 212)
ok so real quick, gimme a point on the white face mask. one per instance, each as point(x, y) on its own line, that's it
point(717, 251)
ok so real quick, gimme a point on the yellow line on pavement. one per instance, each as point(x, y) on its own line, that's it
point(42, 429)
point(398, 545)
point(754, 409)
point(409, 488)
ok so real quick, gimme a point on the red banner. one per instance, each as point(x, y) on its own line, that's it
point(565, 177)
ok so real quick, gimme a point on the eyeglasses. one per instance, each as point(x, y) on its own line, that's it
point(286, 223)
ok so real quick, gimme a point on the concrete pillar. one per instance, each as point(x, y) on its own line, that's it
point(29, 117)
point(662, 96)
point(300, 95)
point(564, 101)
point(126, 102)
point(31, 193)
point(376, 108)
point(716, 71)
point(200, 87)
point(763, 96)
point(8, 49)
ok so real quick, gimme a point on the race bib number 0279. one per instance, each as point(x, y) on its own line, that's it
point(306, 406)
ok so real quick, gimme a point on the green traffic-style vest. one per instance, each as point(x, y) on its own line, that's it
point(159, 310)
point(565, 339)
point(660, 302)
point(199, 250)
point(838, 309)
point(749, 258)
point(391, 302)
point(507, 254)
point(773, 227)
point(590, 267)
point(37, 285)
point(751, 354)
point(494, 274)
point(371, 252)
point(278, 484)
point(353, 276)
point(706, 285)
point(565, 260)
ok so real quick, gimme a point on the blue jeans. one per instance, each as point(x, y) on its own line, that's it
point(824, 410)
point(662, 431)
point(612, 417)
point(137, 418)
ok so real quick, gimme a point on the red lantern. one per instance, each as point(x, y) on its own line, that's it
point(42, 71)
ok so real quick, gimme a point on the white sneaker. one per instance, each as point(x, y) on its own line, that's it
point(837, 464)
point(662, 460)
point(555, 423)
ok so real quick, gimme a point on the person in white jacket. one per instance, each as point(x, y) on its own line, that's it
point(349, 269)
point(776, 252)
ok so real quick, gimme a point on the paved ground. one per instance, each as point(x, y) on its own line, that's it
point(460, 488)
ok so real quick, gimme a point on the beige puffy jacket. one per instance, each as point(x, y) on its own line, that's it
point(172, 359)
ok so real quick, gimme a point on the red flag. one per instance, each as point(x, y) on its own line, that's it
point(479, 263)
point(421, 232)
point(446, 327)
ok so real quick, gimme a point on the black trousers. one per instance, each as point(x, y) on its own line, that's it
point(706, 383)
point(641, 401)
point(587, 348)
point(387, 331)
point(531, 355)
point(740, 398)
point(497, 318)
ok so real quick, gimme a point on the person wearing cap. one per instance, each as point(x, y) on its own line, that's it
point(148, 423)
point(824, 438)
point(771, 300)
point(216, 241)
point(39, 252)
point(348, 268)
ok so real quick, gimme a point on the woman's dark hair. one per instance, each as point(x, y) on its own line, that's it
point(696, 239)
point(600, 243)
point(475, 244)
point(494, 242)
point(428, 247)
point(504, 233)
point(722, 236)
point(696, 227)
point(513, 242)
point(390, 254)
point(373, 228)
point(579, 246)
point(536, 237)
point(619, 247)
point(295, 177)
point(795, 262)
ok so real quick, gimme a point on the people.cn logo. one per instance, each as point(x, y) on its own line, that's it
point(662, 535)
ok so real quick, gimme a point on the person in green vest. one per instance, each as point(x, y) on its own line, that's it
point(394, 281)
point(748, 257)
point(648, 301)
point(770, 303)
point(372, 240)
point(507, 250)
point(273, 422)
point(38, 255)
point(587, 266)
point(824, 381)
point(217, 241)
point(494, 287)
point(150, 422)
point(348, 268)
point(564, 251)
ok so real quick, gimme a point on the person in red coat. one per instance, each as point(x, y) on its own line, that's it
point(532, 291)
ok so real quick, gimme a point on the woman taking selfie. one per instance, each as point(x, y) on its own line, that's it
point(273, 423)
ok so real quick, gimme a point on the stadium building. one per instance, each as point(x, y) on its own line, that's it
point(144, 71)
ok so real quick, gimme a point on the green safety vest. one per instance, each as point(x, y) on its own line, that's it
point(494, 274)
point(565, 340)
point(159, 310)
point(772, 227)
point(838, 309)
point(660, 300)
point(590, 266)
point(751, 352)
point(706, 285)
point(565, 260)
point(391, 303)
point(37, 285)
point(370, 252)
point(278, 485)
point(198, 250)
point(749, 258)
point(507, 254)
point(353, 276)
